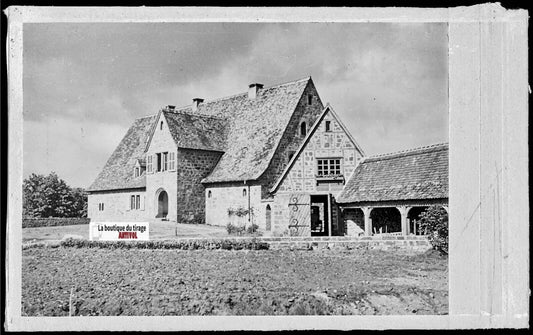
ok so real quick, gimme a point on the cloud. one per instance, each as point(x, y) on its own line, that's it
point(387, 81)
point(75, 151)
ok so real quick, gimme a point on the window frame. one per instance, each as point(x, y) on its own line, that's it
point(149, 164)
point(303, 129)
point(164, 161)
point(171, 161)
point(329, 167)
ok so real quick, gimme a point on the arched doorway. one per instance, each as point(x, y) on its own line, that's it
point(162, 204)
point(414, 220)
point(354, 222)
point(386, 220)
point(268, 217)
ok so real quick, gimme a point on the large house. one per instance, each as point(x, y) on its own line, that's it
point(273, 156)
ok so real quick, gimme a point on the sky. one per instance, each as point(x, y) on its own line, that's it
point(85, 83)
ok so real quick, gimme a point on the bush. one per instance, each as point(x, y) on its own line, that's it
point(435, 220)
point(224, 244)
point(252, 228)
point(234, 229)
point(52, 222)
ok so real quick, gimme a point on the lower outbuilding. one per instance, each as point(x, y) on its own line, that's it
point(387, 193)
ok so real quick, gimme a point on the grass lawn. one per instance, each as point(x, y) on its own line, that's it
point(221, 282)
point(158, 230)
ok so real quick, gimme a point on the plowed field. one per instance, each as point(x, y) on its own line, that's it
point(62, 281)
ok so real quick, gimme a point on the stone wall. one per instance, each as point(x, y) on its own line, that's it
point(116, 206)
point(231, 195)
point(409, 243)
point(193, 166)
point(280, 214)
point(354, 220)
point(292, 139)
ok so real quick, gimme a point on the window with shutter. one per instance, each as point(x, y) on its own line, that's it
point(149, 168)
point(165, 161)
point(171, 161)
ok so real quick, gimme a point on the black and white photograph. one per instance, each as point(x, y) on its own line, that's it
point(262, 168)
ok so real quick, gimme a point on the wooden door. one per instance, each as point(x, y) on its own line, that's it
point(300, 214)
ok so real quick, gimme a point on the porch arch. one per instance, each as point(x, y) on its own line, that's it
point(386, 220)
point(161, 198)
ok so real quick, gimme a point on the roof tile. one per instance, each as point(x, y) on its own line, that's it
point(416, 174)
point(247, 130)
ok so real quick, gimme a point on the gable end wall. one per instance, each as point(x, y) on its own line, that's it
point(291, 139)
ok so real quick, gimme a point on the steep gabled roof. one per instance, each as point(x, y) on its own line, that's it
point(310, 133)
point(255, 129)
point(118, 171)
point(196, 131)
point(416, 174)
point(248, 131)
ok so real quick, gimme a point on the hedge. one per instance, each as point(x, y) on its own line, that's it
point(224, 244)
point(52, 222)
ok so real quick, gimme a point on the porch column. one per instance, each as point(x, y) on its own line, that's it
point(403, 213)
point(368, 220)
point(329, 215)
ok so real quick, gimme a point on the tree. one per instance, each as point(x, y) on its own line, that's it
point(80, 202)
point(50, 196)
point(435, 220)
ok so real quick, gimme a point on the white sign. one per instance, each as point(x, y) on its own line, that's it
point(119, 231)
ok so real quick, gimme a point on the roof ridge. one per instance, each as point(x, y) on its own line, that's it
point(243, 93)
point(407, 151)
point(193, 114)
point(145, 117)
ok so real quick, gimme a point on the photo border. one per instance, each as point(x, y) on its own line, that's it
point(488, 123)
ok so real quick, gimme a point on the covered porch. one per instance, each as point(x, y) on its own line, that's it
point(386, 218)
point(387, 193)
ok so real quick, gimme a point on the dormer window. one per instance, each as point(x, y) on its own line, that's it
point(328, 126)
point(136, 171)
point(303, 129)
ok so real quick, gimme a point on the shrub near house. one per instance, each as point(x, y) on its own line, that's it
point(435, 220)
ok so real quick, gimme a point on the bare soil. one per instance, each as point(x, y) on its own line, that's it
point(62, 281)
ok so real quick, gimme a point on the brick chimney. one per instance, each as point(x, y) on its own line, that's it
point(195, 103)
point(253, 89)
